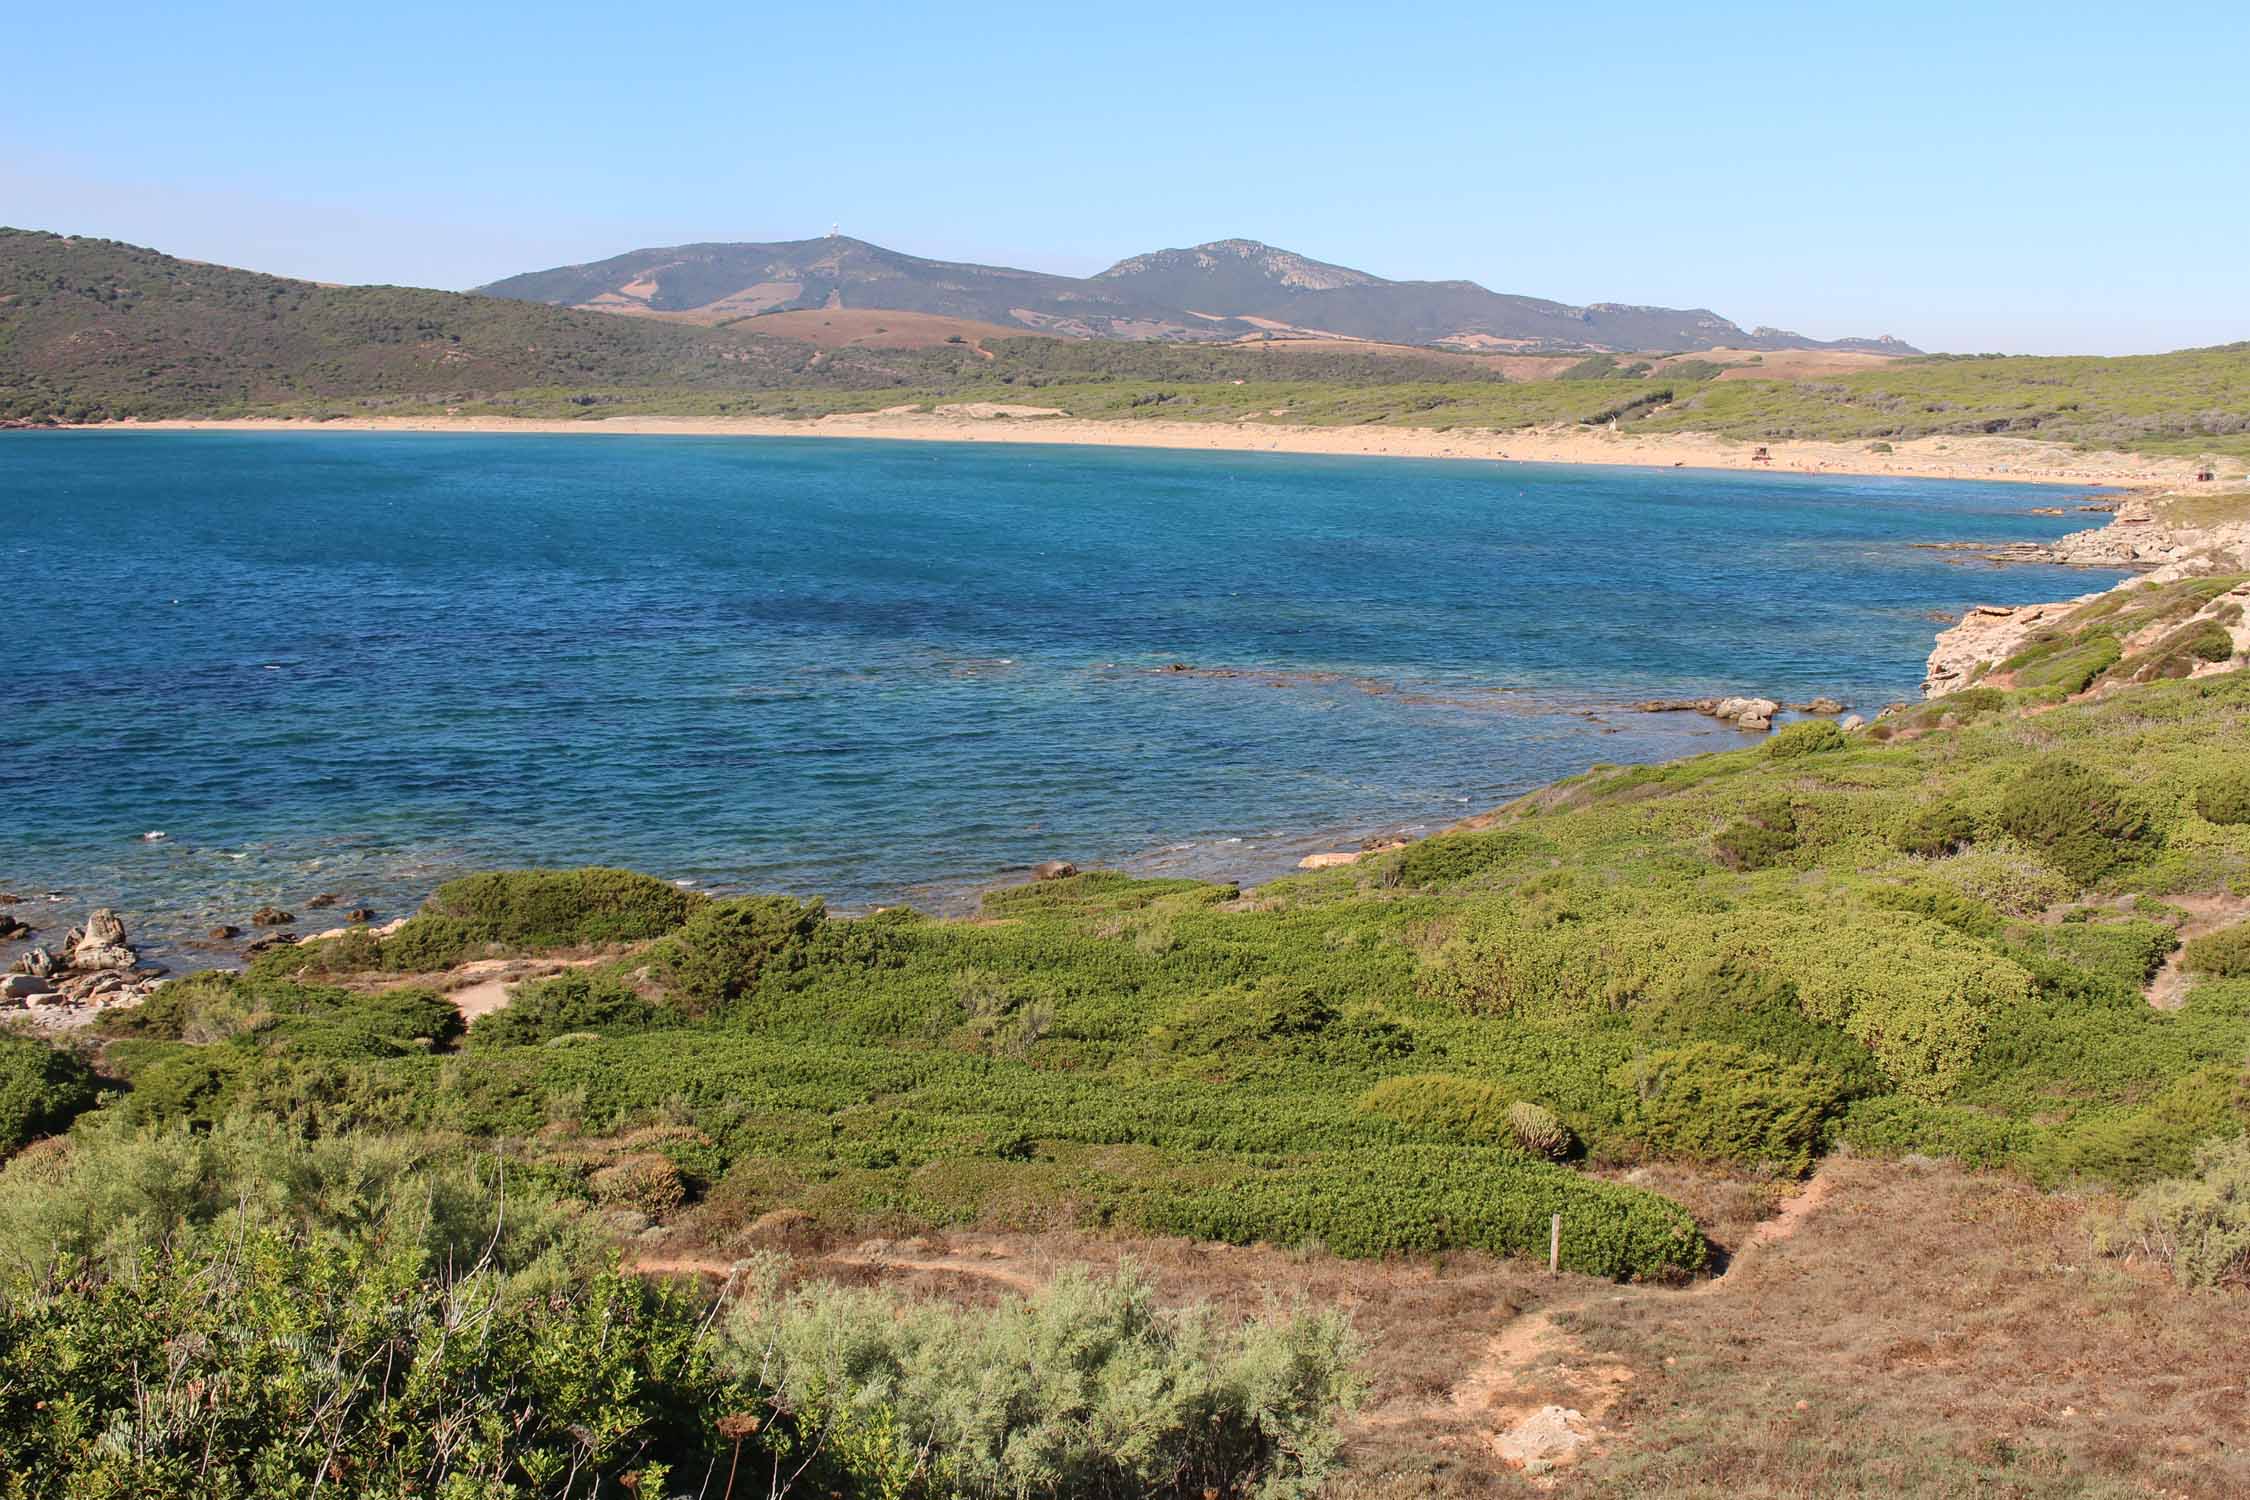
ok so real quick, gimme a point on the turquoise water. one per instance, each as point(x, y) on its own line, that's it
point(881, 671)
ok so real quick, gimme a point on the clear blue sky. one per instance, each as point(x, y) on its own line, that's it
point(2000, 175)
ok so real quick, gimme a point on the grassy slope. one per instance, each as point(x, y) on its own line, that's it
point(92, 329)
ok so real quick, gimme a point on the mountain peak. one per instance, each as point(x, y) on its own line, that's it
point(1226, 258)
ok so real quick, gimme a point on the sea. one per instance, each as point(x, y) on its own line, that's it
point(252, 667)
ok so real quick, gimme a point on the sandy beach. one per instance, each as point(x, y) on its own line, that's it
point(1992, 458)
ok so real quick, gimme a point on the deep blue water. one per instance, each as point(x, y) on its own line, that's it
point(875, 671)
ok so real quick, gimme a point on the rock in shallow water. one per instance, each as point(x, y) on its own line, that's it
point(271, 916)
point(103, 945)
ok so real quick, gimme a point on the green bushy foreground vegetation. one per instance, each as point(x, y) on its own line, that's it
point(1937, 944)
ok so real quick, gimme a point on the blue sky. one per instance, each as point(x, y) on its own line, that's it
point(2025, 177)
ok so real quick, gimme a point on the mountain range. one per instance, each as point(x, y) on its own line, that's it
point(1225, 290)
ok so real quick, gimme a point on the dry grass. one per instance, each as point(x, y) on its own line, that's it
point(1928, 1332)
point(1920, 1331)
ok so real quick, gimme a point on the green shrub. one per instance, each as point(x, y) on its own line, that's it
point(645, 1182)
point(1936, 831)
point(1539, 1130)
point(1809, 738)
point(1709, 1101)
point(530, 909)
point(427, 944)
point(575, 1002)
point(2064, 665)
point(1450, 858)
point(191, 1086)
point(1941, 903)
point(42, 1088)
point(2200, 1225)
point(1761, 838)
point(1969, 702)
point(1441, 1105)
point(2224, 954)
point(1462, 1196)
point(2224, 797)
point(1279, 1018)
point(2079, 819)
point(720, 953)
point(1087, 1390)
point(2192, 645)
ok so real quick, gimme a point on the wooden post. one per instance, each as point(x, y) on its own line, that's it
point(1554, 1245)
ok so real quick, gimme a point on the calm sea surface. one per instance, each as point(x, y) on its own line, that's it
point(880, 671)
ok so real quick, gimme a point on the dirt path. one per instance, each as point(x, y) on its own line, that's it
point(1533, 1356)
point(1533, 1399)
point(481, 986)
point(2206, 914)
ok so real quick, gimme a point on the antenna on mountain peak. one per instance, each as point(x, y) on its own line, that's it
point(835, 230)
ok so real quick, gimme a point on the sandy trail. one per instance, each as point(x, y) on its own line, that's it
point(2206, 915)
point(1540, 1437)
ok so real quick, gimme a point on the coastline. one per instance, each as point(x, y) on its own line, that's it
point(2015, 460)
point(2136, 536)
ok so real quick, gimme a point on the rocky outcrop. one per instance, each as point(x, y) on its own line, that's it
point(36, 962)
point(1987, 636)
point(1053, 869)
point(102, 944)
point(271, 916)
point(2135, 538)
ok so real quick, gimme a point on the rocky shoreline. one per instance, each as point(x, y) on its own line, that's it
point(2144, 536)
point(63, 984)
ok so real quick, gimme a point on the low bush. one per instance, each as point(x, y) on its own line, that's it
point(1809, 738)
point(1936, 831)
point(2224, 797)
point(1087, 1390)
point(1761, 838)
point(427, 944)
point(2082, 821)
point(2177, 655)
point(1964, 914)
point(42, 1088)
point(1443, 1106)
point(529, 909)
point(573, 1002)
point(2224, 954)
point(1969, 702)
point(1538, 1130)
point(2199, 1225)
point(1450, 858)
point(2064, 665)
point(1473, 1197)
point(1709, 1101)
point(720, 953)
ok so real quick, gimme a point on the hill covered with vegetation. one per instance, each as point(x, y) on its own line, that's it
point(1222, 290)
point(92, 330)
point(95, 330)
point(2007, 928)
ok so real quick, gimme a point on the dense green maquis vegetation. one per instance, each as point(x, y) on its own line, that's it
point(1946, 944)
point(245, 1311)
point(1944, 949)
